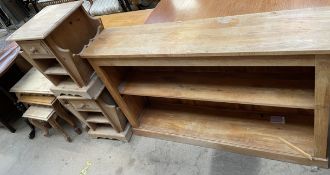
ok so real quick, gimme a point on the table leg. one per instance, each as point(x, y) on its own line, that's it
point(55, 125)
point(33, 130)
point(60, 111)
point(39, 125)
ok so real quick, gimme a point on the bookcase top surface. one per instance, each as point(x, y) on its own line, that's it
point(289, 32)
point(44, 22)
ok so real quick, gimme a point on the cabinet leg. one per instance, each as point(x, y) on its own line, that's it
point(33, 130)
point(66, 116)
point(39, 125)
point(56, 126)
point(322, 105)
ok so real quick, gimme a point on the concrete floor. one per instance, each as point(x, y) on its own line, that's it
point(141, 156)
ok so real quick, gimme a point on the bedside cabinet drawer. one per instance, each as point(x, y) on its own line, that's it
point(36, 49)
point(85, 105)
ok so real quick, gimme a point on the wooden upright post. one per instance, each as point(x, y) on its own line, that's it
point(322, 105)
point(111, 83)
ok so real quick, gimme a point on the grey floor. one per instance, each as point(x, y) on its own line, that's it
point(145, 156)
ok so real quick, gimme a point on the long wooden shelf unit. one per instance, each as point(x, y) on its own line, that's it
point(220, 82)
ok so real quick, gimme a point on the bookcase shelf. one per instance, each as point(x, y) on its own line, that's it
point(97, 117)
point(56, 69)
point(223, 129)
point(219, 87)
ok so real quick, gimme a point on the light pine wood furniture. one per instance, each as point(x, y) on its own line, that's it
point(219, 82)
point(100, 114)
point(33, 89)
point(39, 116)
point(51, 41)
point(183, 10)
point(125, 19)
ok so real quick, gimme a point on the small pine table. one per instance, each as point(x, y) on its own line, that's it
point(34, 90)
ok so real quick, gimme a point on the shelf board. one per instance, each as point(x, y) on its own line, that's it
point(110, 133)
point(56, 69)
point(38, 100)
point(255, 89)
point(231, 130)
point(97, 118)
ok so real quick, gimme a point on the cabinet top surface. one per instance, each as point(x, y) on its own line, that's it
point(33, 82)
point(45, 21)
point(290, 32)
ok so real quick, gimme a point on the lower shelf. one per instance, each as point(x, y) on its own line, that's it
point(56, 69)
point(97, 117)
point(240, 132)
point(104, 131)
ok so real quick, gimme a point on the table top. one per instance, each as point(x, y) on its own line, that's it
point(43, 113)
point(175, 10)
point(45, 21)
point(291, 32)
point(33, 82)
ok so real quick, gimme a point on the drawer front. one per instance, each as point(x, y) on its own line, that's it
point(85, 105)
point(36, 49)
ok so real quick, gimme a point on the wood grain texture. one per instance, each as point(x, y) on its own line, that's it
point(85, 105)
point(80, 115)
point(292, 60)
point(97, 118)
point(79, 71)
point(273, 33)
point(252, 34)
point(56, 69)
point(37, 100)
point(110, 133)
point(173, 10)
point(107, 112)
point(226, 129)
point(43, 113)
point(110, 78)
point(322, 104)
point(41, 65)
point(36, 49)
point(219, 87)
point(125, 19)
point(33, 82)
point(45, 21)
point(111, 112)
point(68, 87)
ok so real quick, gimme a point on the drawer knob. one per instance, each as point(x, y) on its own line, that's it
point(33, 50)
